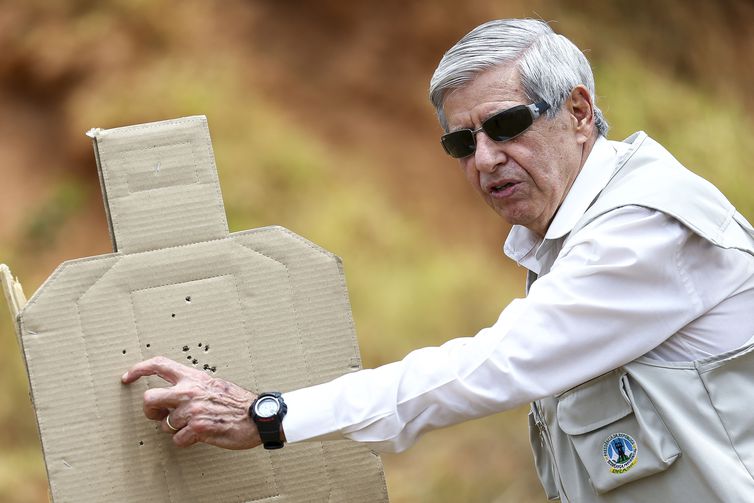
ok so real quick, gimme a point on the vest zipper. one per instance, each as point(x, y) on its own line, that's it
point(546, 442)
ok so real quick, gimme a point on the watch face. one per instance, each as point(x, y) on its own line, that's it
point(267, 407)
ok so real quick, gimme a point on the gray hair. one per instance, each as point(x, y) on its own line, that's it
point(549, 64)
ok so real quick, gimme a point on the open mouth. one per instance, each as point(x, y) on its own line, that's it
point(500, 188)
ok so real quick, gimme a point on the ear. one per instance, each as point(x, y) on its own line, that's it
point(582, 113)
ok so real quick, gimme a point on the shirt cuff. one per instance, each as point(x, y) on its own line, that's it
point(310, 413)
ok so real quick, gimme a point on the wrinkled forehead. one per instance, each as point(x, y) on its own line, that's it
point(497, 85)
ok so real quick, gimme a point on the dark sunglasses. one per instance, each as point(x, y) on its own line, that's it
point(502, 126)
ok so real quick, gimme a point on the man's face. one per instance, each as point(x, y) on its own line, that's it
point(524, 179)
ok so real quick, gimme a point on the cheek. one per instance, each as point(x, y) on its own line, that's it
point(557, 178)
point(552, 182)
point(470, 173)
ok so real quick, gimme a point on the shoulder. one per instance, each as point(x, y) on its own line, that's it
point(652, 178)
point(633, 231)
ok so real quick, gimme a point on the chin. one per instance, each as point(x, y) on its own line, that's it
point(512, 217)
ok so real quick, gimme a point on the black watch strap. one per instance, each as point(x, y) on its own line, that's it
point(269, 427)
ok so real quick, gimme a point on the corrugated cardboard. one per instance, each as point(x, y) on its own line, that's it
point(264, 308)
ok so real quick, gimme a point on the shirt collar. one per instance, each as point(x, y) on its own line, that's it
point(599, 167)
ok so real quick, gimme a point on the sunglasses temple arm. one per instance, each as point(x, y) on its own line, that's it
point(538, 109)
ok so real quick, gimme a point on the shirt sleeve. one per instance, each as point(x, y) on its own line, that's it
point(616, 291)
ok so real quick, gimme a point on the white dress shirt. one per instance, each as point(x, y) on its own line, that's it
point(633, 282)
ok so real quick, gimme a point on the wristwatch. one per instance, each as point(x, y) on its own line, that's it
point(267, 412)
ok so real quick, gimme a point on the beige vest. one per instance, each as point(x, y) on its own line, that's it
point(653, 431)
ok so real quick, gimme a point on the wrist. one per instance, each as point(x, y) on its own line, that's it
point(267, 412)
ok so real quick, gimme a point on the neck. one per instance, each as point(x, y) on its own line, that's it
point(587, 149)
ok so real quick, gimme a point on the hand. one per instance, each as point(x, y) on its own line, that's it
point(201, 408)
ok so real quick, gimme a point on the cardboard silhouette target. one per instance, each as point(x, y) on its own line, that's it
point(264, 308)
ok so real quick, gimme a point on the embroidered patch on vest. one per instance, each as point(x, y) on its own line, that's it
point(620, 452)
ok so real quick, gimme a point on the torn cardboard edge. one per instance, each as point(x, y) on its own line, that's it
point(94, 134)
point(14, 296)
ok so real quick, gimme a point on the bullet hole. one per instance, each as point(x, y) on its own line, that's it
point(206, 348)
point(185, 348)
point(124, 351)
point(188, 299)
point(172, 315)
point(200, 344)
point(188, 357)
point(213, 368)
point(206, 366)
point(149, 345)
point(194, 361)
point(141, 442)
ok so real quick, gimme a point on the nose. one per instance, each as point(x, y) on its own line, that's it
point(488, 154)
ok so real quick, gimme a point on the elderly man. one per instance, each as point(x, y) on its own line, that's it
point(632, 342)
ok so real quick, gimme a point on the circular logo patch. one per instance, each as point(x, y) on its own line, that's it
point(620, 452)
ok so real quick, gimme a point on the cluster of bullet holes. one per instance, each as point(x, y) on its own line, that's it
point(195, 361)
point(201, 347)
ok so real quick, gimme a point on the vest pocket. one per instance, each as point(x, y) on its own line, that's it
point(615, 430)
point(728, 381)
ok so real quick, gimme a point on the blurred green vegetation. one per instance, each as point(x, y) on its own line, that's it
point(42, 225)
point(348, 158)
point(710, 134)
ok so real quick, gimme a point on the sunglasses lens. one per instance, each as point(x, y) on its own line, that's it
point(500, 127)
point(508, 123)
point(459, 144)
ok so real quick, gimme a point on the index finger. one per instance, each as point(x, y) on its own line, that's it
point(160, 366)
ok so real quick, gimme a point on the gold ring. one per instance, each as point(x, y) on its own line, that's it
point(167, 420)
